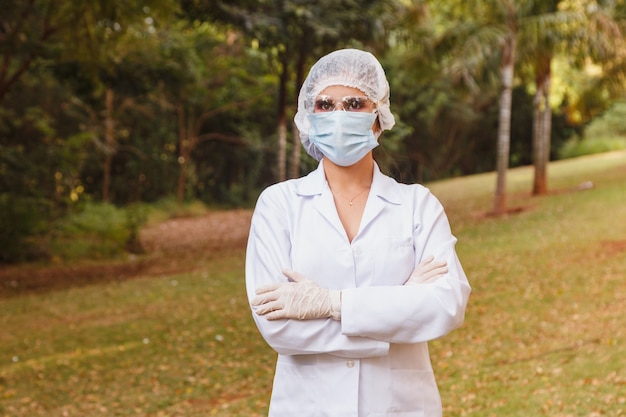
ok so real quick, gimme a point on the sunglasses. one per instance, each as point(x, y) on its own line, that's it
point(347, 103)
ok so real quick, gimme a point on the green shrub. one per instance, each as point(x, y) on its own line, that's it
point(169, 208)
point(99, 231)
point(605, 133)
point(136, 216)
point(611, 122)
point(21, 218)
point(588, 146)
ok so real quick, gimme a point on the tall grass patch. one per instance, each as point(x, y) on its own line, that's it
point(97, 231)
point(605, 133)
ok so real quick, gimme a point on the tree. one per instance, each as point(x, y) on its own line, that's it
point(34, 29)
point(507, 69)
point(541, 35)
point(475, 45)
point(525, 34)
point(90, 37)
point(580, 30)
point(438, 126)
point(204, 65)
point(291, 32)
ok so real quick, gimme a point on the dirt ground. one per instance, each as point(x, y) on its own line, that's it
point(174, 246)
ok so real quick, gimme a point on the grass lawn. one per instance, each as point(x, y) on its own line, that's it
point(544, 332)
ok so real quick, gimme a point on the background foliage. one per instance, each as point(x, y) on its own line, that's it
point(124, 103)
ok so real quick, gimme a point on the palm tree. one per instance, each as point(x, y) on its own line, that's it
point(478, 42)
point(507, 69)
point(532, 32)
point(572, 29)
point(543, 31)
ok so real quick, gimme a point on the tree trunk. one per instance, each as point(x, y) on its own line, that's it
point(542, 126)
point(109, 140)
point(504, 125)
point(182, 153)
point(282, 121)
point(294, 170)
point(294, 165)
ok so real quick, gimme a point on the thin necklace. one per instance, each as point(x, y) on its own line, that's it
point(350, 200)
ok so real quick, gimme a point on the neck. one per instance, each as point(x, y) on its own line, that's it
point(350, 179)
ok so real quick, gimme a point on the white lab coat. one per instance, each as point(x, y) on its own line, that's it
point(375, 361)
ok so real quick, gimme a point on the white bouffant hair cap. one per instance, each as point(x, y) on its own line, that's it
point(351, 68)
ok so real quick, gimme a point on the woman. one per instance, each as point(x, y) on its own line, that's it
point(348, 272)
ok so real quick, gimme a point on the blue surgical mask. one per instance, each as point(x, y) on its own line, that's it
point(344, 137)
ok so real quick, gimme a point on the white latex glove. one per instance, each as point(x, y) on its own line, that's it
point(300, 299)
point(428, 270)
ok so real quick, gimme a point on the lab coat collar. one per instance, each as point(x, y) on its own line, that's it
point(383, 186)
point(384, 191)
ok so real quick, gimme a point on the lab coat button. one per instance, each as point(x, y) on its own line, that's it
point(350, 364)
point(358, 251)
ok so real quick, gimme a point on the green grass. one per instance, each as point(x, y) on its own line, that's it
point(544, 333)
point(168, 346)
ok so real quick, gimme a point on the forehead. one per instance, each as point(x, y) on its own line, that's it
point(341, 91)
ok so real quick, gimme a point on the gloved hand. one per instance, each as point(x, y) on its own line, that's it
point(300, 299)
point(428, 270)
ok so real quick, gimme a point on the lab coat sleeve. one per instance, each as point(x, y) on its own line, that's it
point(267, 254)
point(413, 313)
